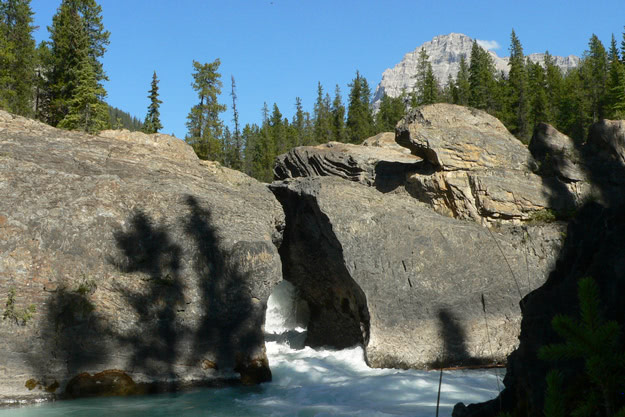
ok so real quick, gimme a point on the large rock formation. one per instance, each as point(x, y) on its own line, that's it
point(444, 53)
point(476, 169)
point(126, 257)
point(594, 247)
point(409, 284)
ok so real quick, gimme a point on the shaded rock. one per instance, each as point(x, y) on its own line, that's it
point(453, 138)
point(594, 247)
point(382, 167)
point(607, 138)
point(556, 154)
point(386, 271)
point(134, 254)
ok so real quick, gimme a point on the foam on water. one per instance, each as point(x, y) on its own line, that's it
point(306, 383)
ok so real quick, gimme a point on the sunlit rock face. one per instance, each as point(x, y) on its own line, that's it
point(445, 52)
point(126, 252)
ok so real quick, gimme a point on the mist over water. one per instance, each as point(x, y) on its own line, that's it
point(306, 383)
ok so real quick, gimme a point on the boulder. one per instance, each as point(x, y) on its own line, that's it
point(475, 169)
point(416, 288)
point(381, 166)
point(124, 254)
point(452, 138)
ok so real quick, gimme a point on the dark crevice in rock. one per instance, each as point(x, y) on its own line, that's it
point(312, 260)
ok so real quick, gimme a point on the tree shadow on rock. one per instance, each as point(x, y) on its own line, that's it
point(594, 246)
point(148, 248)
point(233, 318)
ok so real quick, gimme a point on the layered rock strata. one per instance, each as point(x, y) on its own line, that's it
point(125, 256)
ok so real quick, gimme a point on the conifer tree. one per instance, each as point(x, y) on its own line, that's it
point(17, 56)
point(516, 107)
point(6, 59)
point(482, 79)
point(537, 94)
point(152, 123)
point(615, 85)
point(553, 87)
point(278, 133)
point(416, 96)
point(596, 342)
point(237, 143)
point(449, 90)
point(338, 117)
point(299, 123)
point(391, 110)
point(430, 93)
point(463, 85)
point(205, 126)
point(359, 112)
point(594, 75)
point(86, 110)
point(76, 30)
point(323, 117)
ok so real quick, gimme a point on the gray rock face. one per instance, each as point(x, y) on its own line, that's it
point(135, 256)
point(388, 272)
point(445, 52)
point(380, 166)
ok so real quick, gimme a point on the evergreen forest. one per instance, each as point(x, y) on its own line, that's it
point(60, 82)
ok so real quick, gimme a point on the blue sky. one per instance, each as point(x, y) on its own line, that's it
point(279, 49)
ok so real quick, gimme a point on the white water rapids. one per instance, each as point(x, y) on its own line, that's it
point(306, 383)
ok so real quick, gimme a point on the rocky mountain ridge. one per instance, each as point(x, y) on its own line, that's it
point(445, 52)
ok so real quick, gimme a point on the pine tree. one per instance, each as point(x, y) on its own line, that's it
point(6, 60)
point(237, 142)
point(17, 56)
point(594, 75)
point(76, 30)
point(323, 117)
point(391, 110)
point(516, 105)
point(299, 123)
point(537, 94)
point(86, 110)
point(430, 93)
point(449, 91)
point(482, 79)
point(205, 126)
point(615, 85)
point(574, 114)
point(553, 87)
point(596, 342)
point(416, 96)
point(463, 85)
point(278, 133)
point(338, 117)
point(152, 123)
point(359, 112)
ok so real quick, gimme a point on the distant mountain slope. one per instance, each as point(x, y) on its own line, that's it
point(445, 52)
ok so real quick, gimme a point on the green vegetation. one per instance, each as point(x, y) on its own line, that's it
point(152, 123)
point(61, 83)
point(598, 390)
point(205, 126)
point(14, 314)
point(122, 120)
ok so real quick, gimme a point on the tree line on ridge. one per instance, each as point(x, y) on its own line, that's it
point(60, 82)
